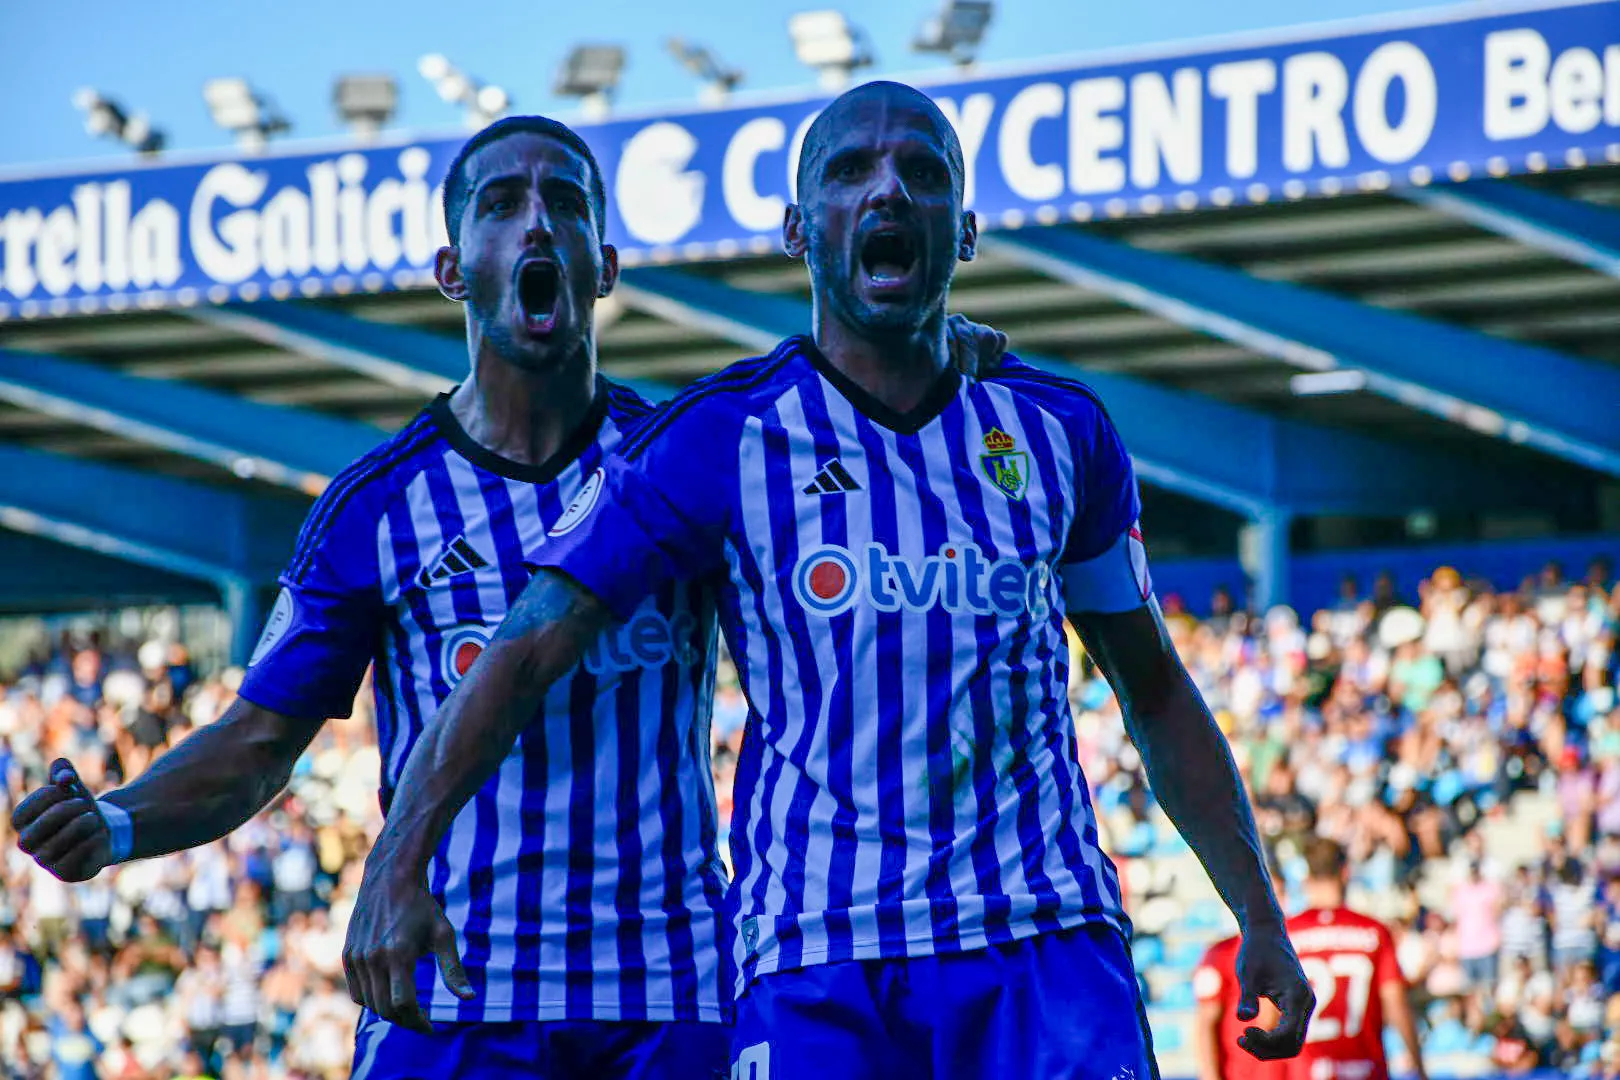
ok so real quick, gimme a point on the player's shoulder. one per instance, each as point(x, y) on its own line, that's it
point(359, 494)
point(626, 406)
point(725, 397)
point(1063, 394)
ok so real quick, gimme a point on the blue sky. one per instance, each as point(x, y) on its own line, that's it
point(154, 56)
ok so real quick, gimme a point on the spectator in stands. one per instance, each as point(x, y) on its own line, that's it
point(1476, 904)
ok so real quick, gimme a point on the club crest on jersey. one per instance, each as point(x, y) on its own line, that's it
point(462, 646)
point(1005, 465)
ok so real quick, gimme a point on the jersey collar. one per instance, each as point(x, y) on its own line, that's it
point(941, 394)
point(578, 441)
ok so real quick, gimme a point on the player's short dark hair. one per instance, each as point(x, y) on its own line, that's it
point(458, 185)
point(821, 129)
point(1324, 859)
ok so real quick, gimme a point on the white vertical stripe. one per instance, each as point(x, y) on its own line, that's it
point(818, 853)
point(864, 676)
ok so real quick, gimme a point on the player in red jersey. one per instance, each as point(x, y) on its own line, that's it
point(1350, 960)
point(1217, 1028)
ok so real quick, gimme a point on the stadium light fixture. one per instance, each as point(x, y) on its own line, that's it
point(1315, 383)
point(956, 29)
point(591, 74)
point(718, 80)
point(366, 102)
point(830, 44)
point(481, 103)
point(237, 108)
point(104, 117)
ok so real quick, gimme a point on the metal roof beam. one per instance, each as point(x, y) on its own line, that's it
point(1568, 228)
point(178, 527)
point(292, 447)
point(397, 355)
point(1223, 454)
point(37, 574)
point(1557, 403)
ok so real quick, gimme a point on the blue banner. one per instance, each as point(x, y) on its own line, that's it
point(1437, 97)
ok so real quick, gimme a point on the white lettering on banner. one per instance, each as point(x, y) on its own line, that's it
point(87, 208)
point(972, 121)
point(660, 200)
point(228, 251)
point(1315, 88)
point(747, 207)
point(323, 198)
point(1241, 85)
point(154, 246)
point(1027, 179)
point(1167, 126)
point(1398, 143)
point(21, 228)
point(284, 234)
point(1091, 133)
point(1526, 88)
point(115, 200)
point(58, 239)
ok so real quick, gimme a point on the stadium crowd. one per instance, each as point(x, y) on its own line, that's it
point(1401, 731)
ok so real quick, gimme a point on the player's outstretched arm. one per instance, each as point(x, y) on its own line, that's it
point(213, 782)
point(395, 917)
point(1191, 771)
point(1398, 1011)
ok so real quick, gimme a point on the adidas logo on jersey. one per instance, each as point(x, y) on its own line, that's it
point(833, 479)
point(458, 557)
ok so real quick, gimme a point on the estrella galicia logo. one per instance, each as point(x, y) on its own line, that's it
point(1004, 464)
point(829, 580)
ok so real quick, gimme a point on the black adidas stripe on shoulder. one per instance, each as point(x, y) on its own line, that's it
point(740, 377)
point(352, 479)
point(626, 400)
point(1041, 377)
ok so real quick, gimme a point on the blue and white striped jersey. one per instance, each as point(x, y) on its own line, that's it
point(894, 594)
point(583, 879)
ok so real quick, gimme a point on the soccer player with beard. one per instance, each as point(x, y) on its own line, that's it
point(578, 893)
point(920, 885)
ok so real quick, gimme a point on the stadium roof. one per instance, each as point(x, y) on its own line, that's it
point(1439, 242)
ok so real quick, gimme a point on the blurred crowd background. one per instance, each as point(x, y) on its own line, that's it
point(1463, 743)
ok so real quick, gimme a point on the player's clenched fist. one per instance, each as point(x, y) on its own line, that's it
point(62, 828)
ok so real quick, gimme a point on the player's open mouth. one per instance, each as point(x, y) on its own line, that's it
point(888, 257)
point(539, 283)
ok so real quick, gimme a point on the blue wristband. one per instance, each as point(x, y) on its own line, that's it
point(120, 829)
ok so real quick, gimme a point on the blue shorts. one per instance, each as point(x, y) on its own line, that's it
point(1059, 1006)
point(544, 1050)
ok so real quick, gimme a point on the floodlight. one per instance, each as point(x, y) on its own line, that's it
point(481, 103)
point(366, 102)
point(105, 117)
point(956, 28)
point(718, 80)
point(590, 73)
point(829, 43)
point(237, 108)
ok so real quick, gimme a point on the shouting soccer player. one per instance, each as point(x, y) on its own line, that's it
point(582, 879)
point(920, 886)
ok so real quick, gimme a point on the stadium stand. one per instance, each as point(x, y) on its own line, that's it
point(1463, 743)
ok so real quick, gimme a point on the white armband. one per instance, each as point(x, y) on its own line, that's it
point(1110, 583)
point(120, 829)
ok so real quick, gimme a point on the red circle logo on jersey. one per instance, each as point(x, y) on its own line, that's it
point(825, 581)
point(462, 646)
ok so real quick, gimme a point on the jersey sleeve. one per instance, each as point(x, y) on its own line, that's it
point(1104, 565)
point(657, 510)
point(327, 619)
point(1209, 983)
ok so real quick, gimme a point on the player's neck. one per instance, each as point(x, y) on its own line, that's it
point(525, 416)
point(897, 370)
point(1324, 896)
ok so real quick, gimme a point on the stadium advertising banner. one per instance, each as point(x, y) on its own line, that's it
point(1486, 91)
